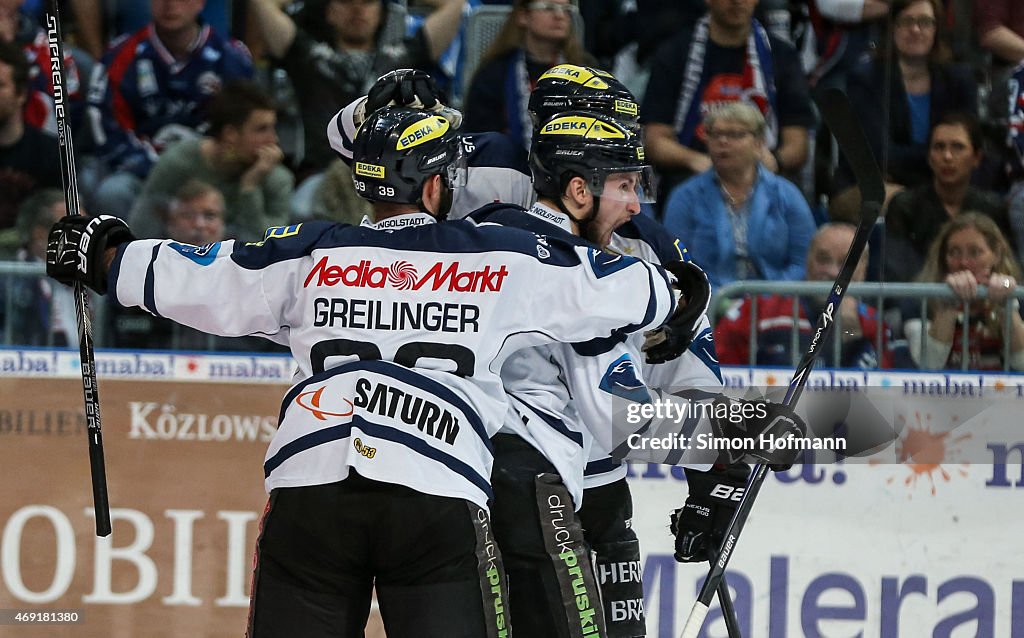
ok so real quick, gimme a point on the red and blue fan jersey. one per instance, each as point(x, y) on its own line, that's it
point(141, 89)
point(39, 106)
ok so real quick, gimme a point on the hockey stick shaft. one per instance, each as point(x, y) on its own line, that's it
point(69, 176)
point(732, 623)
point(838, 114)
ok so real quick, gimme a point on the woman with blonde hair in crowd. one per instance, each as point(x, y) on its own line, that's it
point(535, 37)
point(739, 220)
point(969, 252)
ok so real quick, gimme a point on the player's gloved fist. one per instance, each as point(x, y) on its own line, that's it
point(700, 524)
point(412, 88)
point(672, 339)
point(76, 247)
point(765, 426)
point(404, 87)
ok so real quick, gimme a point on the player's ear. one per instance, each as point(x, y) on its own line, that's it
point(576, 191)
point(432, 194)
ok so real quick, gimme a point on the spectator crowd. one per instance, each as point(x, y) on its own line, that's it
point(203, 120)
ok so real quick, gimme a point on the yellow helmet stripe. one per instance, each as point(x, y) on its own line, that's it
point(422, 131)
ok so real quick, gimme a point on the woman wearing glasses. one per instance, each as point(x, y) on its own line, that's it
point(923, 85)
point(535, 37)
point(740, 220)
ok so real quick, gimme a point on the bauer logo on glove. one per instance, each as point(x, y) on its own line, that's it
point(77, 245)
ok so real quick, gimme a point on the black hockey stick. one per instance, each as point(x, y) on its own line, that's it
point(838, 114)
point(732, 624)
point(88, 357)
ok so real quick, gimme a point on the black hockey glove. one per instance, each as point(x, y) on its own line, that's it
point(76, 248)
point(672, 339)
point(699, 525)
point(762, 427)
point(404, 87)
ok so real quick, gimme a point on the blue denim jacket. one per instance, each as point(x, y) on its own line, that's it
point(779, 233)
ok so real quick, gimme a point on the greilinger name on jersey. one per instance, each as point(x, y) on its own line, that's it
point(373, 314)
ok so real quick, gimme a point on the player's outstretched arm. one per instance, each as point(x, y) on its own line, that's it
point(242, 289)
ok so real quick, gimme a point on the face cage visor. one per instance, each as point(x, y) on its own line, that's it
point(625, 184)
point(456, 172)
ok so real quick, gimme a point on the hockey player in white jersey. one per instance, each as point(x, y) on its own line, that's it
point(537, 385)
point(541, 442)
point(379, 471)
point(607, 510)
point(534, 379)
point(590, 180)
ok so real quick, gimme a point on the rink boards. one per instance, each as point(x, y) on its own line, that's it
point(914, 549)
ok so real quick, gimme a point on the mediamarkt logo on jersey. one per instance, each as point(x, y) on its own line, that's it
point(403, 275)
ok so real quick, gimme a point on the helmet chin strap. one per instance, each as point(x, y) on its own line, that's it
point(444, 205)
point(584, 230)
point(583, 223)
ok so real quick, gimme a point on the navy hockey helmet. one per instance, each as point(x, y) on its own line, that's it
point(568, 87)
point(589, 145)
point(397, 149)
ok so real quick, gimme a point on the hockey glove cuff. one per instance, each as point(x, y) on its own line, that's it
point(672, 339)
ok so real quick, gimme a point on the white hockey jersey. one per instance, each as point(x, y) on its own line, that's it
point(398, 335)
point(697, 368)
point(563, 393)
point(546, 414)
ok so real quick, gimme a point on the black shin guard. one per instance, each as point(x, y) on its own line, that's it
point(622, 592)
point(563, 539)
point(607, 517)
point(493, 586)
